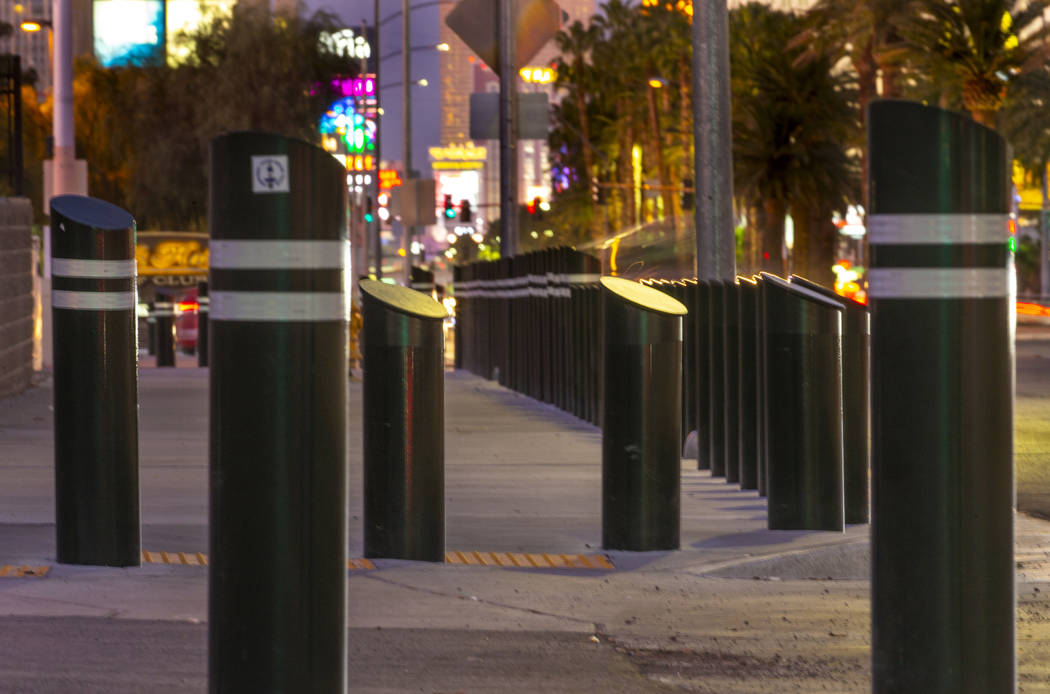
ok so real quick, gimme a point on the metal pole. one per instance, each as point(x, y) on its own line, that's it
point(713, 134)
point(508, 131)
point(1044, 236)
point(941, 286)
point(375, 231)
point(63, 166)
point(406, 126)
point(96, 383)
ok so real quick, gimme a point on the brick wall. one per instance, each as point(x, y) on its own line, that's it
point(16, 296)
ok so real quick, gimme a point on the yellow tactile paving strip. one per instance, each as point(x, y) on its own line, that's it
point(530, 560)
point(519, 560)
point(8, 571)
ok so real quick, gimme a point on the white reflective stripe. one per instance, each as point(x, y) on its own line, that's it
point(277, 255)
point(583, 279)
point(278, 306)
point(939, 283)
point(93, 269)
point(938, 228)
point(93, 301)
point(202, 301)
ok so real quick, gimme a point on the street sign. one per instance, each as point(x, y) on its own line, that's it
point(535, 23)
point(533, 117)
point(414, 202)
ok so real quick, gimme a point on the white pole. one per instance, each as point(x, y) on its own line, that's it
point(63, 168)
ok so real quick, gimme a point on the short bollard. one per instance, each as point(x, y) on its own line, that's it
point(762, 420)
point(941, 289)
point(164, 313)
point(203, 310)
point(731, 377)
point(804, 395)
point(93, 301)
point(151, 330)
point(856, 347)
point(404, 423)
point(641, 427)
point(747, 418)
point(278, 380)
point(716, 364)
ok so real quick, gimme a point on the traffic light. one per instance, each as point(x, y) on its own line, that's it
point(465, 213)
point(688, 196)
point(384, 205)
point(368, 209)
point(596, 191)
point(450, 209)
point(534, 205)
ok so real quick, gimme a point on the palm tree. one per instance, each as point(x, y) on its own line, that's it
point(579, 76)
point(983, 45)
point(791, 123)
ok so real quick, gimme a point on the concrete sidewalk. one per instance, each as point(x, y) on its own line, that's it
point(738, 609)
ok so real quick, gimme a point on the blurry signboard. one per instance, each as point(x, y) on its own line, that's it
point(170, 259)
point(186, 16)
point(533, 119)
point(129, 32)
point(535, 23)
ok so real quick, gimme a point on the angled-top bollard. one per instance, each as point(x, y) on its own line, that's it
point(93, 300)
point(404, 423)
point(641, 427)
point(803, 367)
point(941, 287)
point(278, 379)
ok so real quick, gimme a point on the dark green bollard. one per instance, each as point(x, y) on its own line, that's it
point(404, 423)
point(856, 346)
point(164, 313)
point(804, 395)
point(716, 364)
point(278, 379)
point(641, 427)
point(93, 304)
point(731, 376)
point(703, 375)
point(747, 293)
point(203, 311)
point(941, 292)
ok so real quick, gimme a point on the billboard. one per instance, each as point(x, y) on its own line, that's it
point(129, 32)
point(185, 16)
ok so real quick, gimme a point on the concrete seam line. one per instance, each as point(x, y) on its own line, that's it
point(277, 255)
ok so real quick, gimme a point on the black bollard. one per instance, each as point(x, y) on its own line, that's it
point(93, 300)
point(703, 375)
point(804, 395)
point(151, 330)
point(762, 421)
point(641, 427)
point(716, 364)
point(941, 290)
point(278, 380)
point(747, 417)
point(731, 378)
point(856, 346)
point(164, 313)
point(404, 423)
point(203, 309)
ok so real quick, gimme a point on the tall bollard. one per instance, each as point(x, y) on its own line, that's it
point(641, 427)
point(203, 311)
point(404, 423)
point(856, 456)
point(277, 574)
point(164, 313)
point(703, 375)
point(93, 302)
point(942, 356)
point(762, 421)
point(748, 379)
point(731, 378)
point(804, 396)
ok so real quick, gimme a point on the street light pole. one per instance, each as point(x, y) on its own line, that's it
point(63, 168)
point(508, 132)
point(406, 124)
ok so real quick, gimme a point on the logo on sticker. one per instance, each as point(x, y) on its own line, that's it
point(270, 174)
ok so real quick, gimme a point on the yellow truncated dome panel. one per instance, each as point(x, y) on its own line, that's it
point(646, 297)
point(404, 299)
